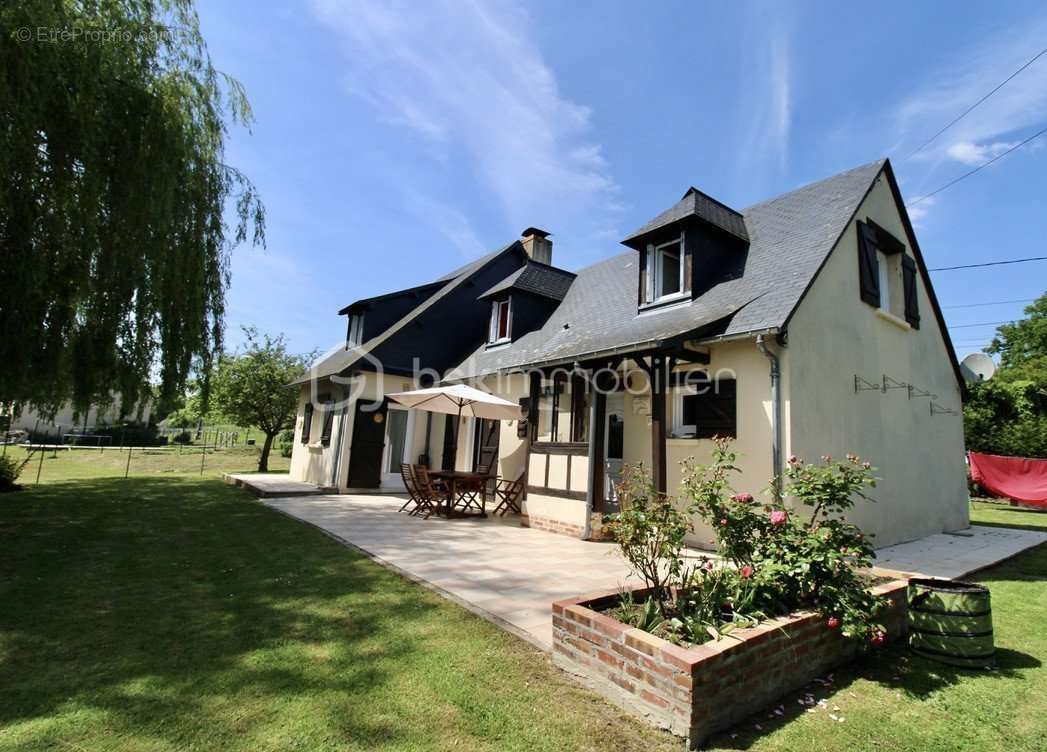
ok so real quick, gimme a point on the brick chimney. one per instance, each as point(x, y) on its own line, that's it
point(537, 244)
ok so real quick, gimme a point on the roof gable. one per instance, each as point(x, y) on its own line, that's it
point(537, 279)
point(694, 204)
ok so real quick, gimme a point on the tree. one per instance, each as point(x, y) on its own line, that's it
point(251, 389)
point(1008, 415)
point(1022, 346)
point(114, 239)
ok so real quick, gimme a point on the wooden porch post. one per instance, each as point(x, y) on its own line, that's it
point(658, 460)
point(597, 412)
point(657, 378)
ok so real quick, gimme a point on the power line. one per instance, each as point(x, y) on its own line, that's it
point(988, 263)
point(984, 323)
point(968, 111)
point(979, 168)
point(992, 303)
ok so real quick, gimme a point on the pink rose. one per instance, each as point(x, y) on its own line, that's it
point(746, 572)
point(723, 522)
point(743, 498)
point(879, 637)
point(779, 516)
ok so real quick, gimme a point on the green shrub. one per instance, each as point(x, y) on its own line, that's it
point(182, 437)
point(775, 559)
point(10, 469)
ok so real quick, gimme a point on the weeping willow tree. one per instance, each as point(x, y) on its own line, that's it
point(117, 210)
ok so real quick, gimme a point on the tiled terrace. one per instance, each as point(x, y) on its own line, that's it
point(511, 575)
point(500, 570)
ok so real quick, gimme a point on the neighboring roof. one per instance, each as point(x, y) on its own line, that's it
point(418, 290)
point(696, 204)
point(536, 278)
point(789, 238)
point(339, 359)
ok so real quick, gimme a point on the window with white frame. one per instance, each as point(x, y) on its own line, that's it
point(501, 322)
point(665, 270)
point(706, 409)
point(355, 336)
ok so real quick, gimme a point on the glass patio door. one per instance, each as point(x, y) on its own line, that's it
point(397, 446)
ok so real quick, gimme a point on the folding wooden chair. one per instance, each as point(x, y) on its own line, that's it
point(431, 492)
point(414, 498)
point(508, 492)
point(408, 482)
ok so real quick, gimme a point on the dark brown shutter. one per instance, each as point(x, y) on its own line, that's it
point(912, 306)
point(325, 435)
point(868, 265)
point(307, 422)
point(641, 296)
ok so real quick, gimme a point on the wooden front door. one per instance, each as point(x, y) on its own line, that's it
point(486, 443)
point(365, 454)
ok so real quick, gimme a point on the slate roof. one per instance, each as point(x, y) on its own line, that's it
point(337, 360)
point(790, 237)
point(696, 204)
point(536, 278)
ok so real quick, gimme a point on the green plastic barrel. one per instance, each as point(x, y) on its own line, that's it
point(951, 622)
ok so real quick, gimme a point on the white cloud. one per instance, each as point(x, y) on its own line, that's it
point(767, 104)
point(470, 82)
point(962, 80)
point(918, 212)
point(977, 154)
point(448, 221)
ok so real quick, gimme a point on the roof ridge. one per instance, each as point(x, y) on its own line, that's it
point(879, 163)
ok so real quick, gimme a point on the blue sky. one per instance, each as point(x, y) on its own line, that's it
point(394, 141)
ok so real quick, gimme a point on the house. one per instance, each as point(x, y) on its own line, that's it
point(68, 421)
point(804, 325)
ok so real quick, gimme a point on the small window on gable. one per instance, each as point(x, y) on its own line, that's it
point(355, 337)
point(501, 322)
point(887, 274)
point(705, 410)
point(665, 271)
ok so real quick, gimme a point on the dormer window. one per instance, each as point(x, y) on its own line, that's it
point(355, 336)
point(501, 322)
point(665, 280)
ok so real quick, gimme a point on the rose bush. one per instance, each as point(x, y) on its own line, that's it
point(776, 558)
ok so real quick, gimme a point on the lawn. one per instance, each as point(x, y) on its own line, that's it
point(173, 612)
point(74, 464)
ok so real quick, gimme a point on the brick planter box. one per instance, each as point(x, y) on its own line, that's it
point(694, 692)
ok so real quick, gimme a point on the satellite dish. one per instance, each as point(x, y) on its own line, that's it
point(977, 367)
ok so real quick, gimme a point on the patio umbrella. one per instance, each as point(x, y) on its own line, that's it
point(459, 399)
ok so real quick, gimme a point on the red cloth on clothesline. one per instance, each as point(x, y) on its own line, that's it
point(1017, 478)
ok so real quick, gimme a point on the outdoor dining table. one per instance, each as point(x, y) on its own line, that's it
point(454, 479)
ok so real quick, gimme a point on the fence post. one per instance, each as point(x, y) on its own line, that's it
point(127, 467)
point(40, 465)
point(203, 456)
point(55, 445)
